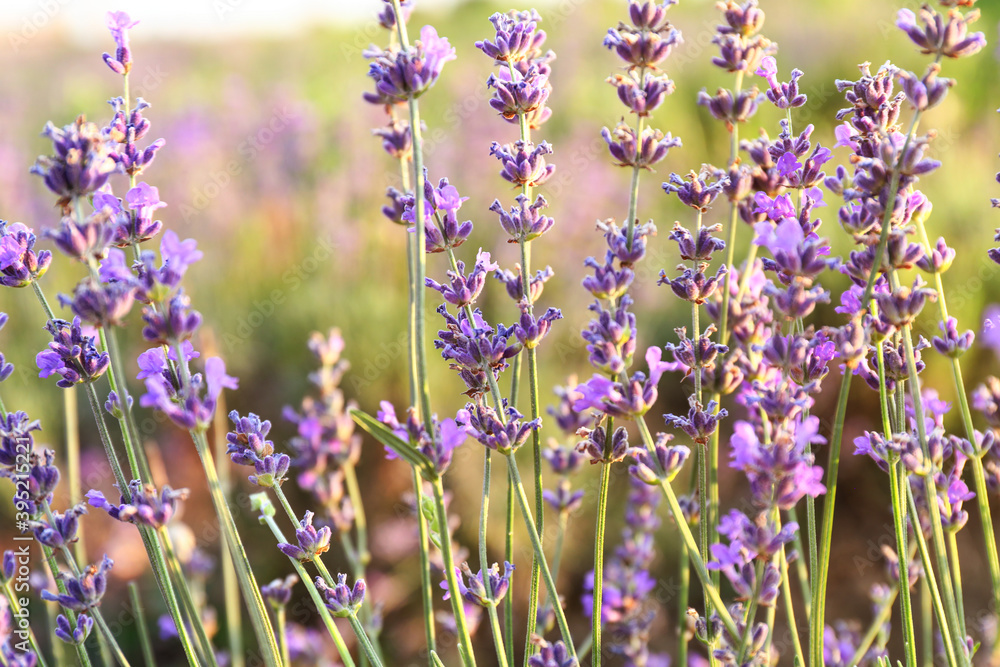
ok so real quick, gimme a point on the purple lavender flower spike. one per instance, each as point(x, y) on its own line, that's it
point(20, 265)
point(194, 410)
point(517, 38)
point(725, 107)
point(781, 95)
point(553, 655)
point(74, 635)
point(464, 290)
point(173, 324)
point(644, 96)
point(525, 221)
point(62, 531)
point(8, 566)
point(530, 330)
point(697, 190)
point(663, 464)
point(119, 24)
point(71, 354)
point(953, 344)
point(517, 94)
point(407, 74)
point(130, 158)
point(945, 37)
point(85, 241)
point(523, 163)
point(602, 448)
point(387, 17)
point(340, 599)
point(146, 506)
point(485, 425)
point(98, 304)
point(700, 423)
point(248, 439)
point(642, 151)
point(515, 284)
point(397, 140)
point(311, 542)
point(15, 437)
point(271, 470)
point(649, 40)
point(279, 592)
point(85, 592)
point(82, 162)
point(476, 590)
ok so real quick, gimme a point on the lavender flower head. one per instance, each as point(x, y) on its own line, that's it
point(341, 600)
point(119, 24)
point(20, 265)
point(62, 530)
point(74, 635)
point(279, 592)
point(83, 592)
point(437, 443)
point(71, 354)
point(82, 162)
point(194, 407)
point(311, 542)
point(406, 74)
point(143, 506)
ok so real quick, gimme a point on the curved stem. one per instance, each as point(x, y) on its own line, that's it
point(140, 621)
point(464, 640)
point(248, 584)
point(536, 544)
point(363, 639)
point(173, 566)
point(602, 511)
point(498, 643)
point(426, 587)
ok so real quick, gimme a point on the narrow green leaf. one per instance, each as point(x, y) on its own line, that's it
point(381, 432)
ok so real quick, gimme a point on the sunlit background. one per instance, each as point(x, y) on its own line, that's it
point(294, 240)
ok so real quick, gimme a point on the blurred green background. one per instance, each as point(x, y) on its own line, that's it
point(294, 241)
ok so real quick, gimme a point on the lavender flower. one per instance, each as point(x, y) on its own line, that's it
point(524, 162)
point(407, 74)
point(84, 592)
point(341, 600)
point(74, 635)
point(82, 162)
point(643, 151)
point(20, 265)
point(437, 443)
point(279, 592)
point(464, 290)
point(552, 655)
point(505, 437)
point(71, 355)
point(939, 36)
point(62, 530)
point(143, 506)
point(517, 37)
point(99, 304)
point(194, 407)
point(119, 24)
point(126, 131)
point(475, 591)
point(15, 437)
point(311, 542)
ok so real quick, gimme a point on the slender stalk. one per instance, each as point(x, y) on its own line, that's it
point(281, 624)
point(508, 554)
point(926, 623)
point(248, 584)
point(426, 587)
point(536, 544)
point(50, 560)
point(602, 512)
point(793, 627)
point(938, 604)
point(876, 626)
point(801, 569)
point(821, 570)
point(140, 621)
point(230, 586)
point(366, 643)
point(683, 594)
point(711, 592)
point(130, 434)
point(498, 643)
point(982, 497)
point(956, 576)
point(633, 197)
point(71, 427)
point(42, 300)
point(464, 640)
point(751, 611)
point(324, 612)
point(360, 520)
point(172, 565)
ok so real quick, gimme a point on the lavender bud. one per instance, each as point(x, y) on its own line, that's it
point(20, 265)
point(341, 600)
point(74, 635)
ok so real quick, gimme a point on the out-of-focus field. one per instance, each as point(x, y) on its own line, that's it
point(270, 165)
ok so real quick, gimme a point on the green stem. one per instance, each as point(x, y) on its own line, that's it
point(172, 565)
point(800, 565)
point(130, 434)
point(821, 570)
point(360, 520)
point(426, 587)
point(72, 432)
point(633, 198)
point(956, 575)
point(751, 611)
point(498, 642)
point(602, 512)
point(461, 626)
point(508, 551)
point(230, 586)
point(42, 300)
point(711, 592)
point(140, 621)
point(366, 644)
point(793, 626)
point(50, 561)
point(684, 590)
point(536, 544)
point(248, 584)
point(280, 623)
point(899, 523)
point(324, 612)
